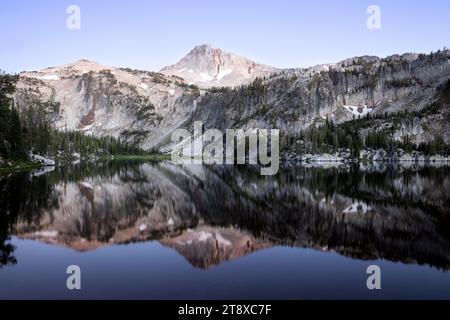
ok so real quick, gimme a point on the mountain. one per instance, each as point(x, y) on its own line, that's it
point(206, 66)
point(407, 96)
point(136, 106)
point(76, 68)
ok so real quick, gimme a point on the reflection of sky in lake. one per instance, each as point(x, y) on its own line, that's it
point(150, 270)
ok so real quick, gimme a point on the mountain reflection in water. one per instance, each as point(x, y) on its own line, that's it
point(211, 214)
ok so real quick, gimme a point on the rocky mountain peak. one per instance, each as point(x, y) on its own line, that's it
point(85, 66)
point(203, 49)
point(75, 68)
point(83, 62)
point(207, 66)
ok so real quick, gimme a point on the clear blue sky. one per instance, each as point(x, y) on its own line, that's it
point(149, 34)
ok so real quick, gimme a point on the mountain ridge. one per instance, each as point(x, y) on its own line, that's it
point(207, 66)
point(145, 107)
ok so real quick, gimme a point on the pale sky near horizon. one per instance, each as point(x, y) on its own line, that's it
point(150, 34)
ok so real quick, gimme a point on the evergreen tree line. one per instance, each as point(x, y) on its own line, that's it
point(330, 138)
point(31, 130)
point(10, 134)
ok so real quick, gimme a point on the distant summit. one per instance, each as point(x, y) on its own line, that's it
point(207, 66)
point(75, 68)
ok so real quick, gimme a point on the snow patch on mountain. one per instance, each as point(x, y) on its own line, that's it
point(357, 207)
point(206, 77)
point(224, 73)
point(358, 110)
point(52, 77)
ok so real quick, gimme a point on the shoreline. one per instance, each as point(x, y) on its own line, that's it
point(12, 166)
point(367, 156)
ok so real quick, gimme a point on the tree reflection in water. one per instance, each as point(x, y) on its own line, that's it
point(210, 214)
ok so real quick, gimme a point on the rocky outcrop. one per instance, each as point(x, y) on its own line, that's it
point(400, 155)
point(41, 160)
point(146, 107)
point(135, 106)
point(206, 67)
point(369, 155)
point(295, 99)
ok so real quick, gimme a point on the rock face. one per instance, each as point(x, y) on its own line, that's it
point(146, 107)
point(206, 66)
point(41, 160)
point(136, 106)
point(295, 99)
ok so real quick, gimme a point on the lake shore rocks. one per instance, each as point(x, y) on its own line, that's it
point(368, 155)
point(41, 160)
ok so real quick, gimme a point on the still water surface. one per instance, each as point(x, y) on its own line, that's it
point(160, 230)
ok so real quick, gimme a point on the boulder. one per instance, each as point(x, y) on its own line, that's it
point(41, 160)
point(438, 158)
point(326, 158)
point(407, 158)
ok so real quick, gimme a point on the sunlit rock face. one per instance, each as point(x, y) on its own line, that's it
point(211, 214)
point(146, 107)
point(137, 106)
point(206, 66)
point(351, 89)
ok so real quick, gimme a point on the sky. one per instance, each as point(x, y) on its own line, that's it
point(150, 34)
